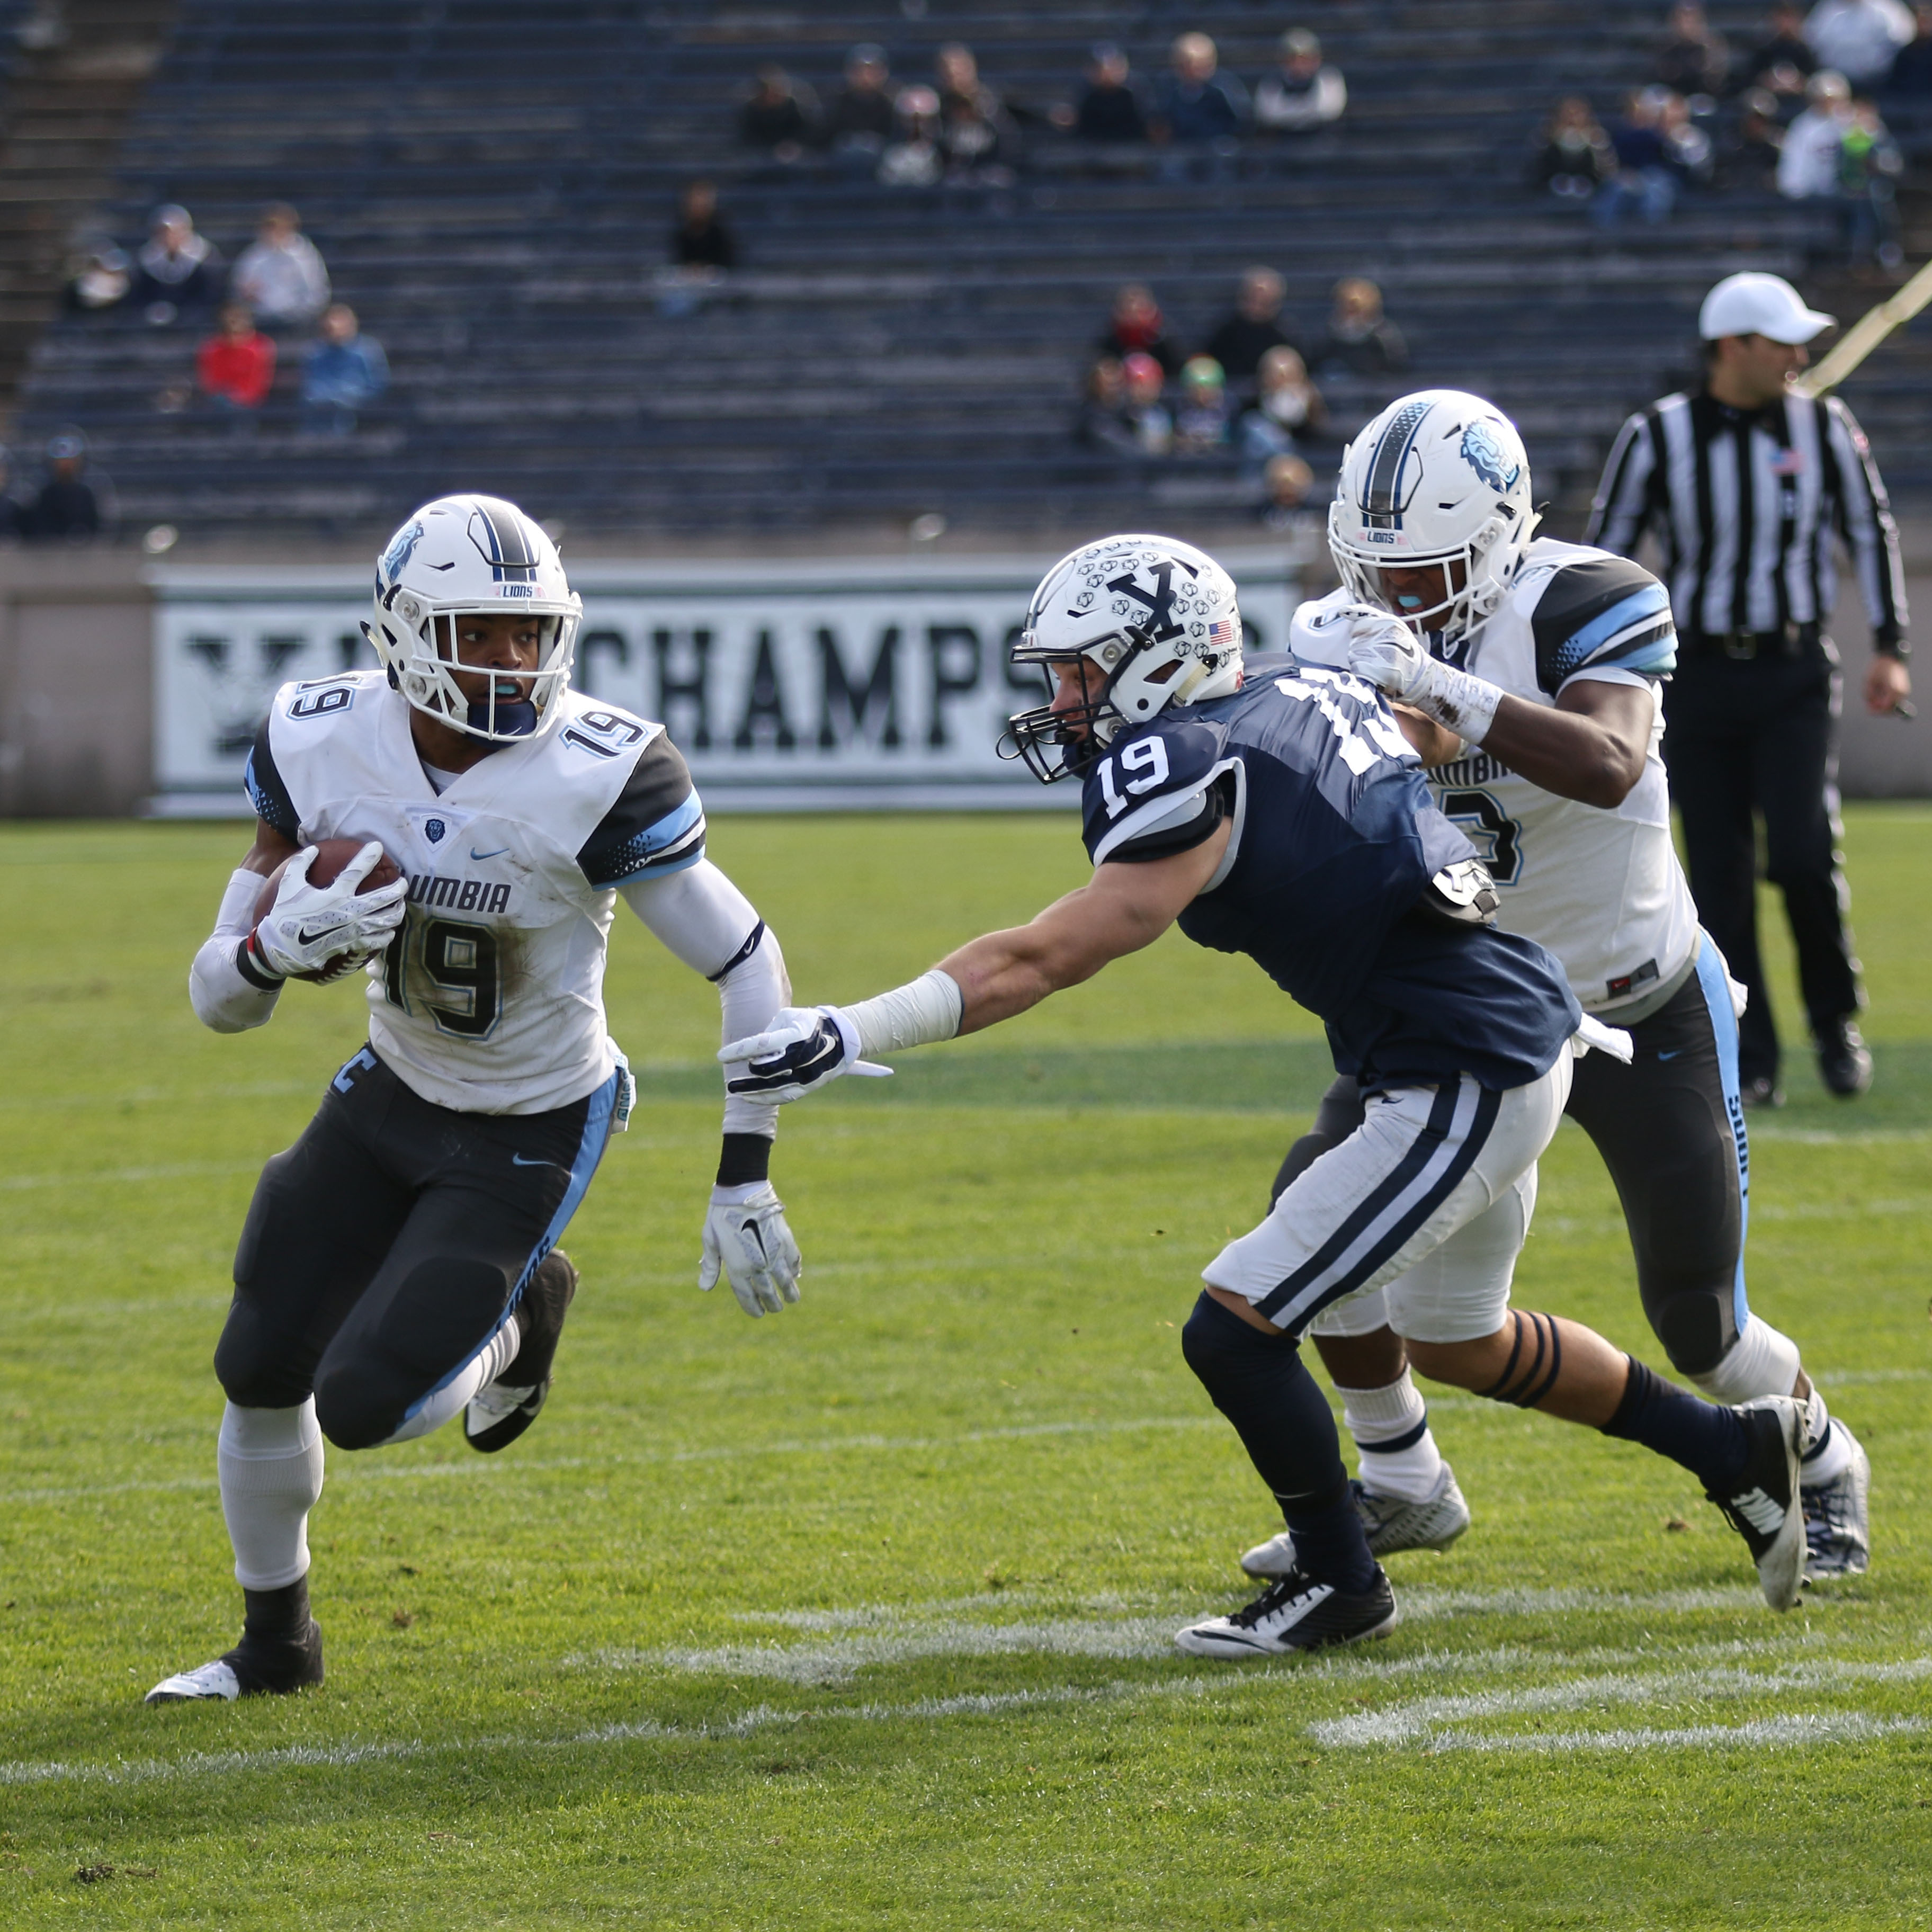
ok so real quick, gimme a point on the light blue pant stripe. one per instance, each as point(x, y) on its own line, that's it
point(589, 1152)
point(1711, 977)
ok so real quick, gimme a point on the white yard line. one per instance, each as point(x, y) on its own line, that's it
point(1783, 1733)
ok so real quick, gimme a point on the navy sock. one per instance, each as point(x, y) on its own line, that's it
point(1260, 1383)
point(1708, 1440)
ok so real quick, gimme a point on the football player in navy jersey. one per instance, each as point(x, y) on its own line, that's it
point(399, 1265)
point(1285, 816)
point(1535, 666)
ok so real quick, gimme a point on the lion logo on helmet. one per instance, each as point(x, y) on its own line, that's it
point(402, 546)
point(1483, 452)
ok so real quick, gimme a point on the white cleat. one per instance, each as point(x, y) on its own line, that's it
point(1837, 1517)
point(1390, 1524)
point(211, 1680)
point(1764, 1506)
point(1296, 1613)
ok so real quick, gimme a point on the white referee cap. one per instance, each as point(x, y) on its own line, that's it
point(1758, 304)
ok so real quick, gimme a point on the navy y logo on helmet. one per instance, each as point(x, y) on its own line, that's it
point(1483, 452)
point(1160, 625)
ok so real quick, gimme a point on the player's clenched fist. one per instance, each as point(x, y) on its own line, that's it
point(311, 926)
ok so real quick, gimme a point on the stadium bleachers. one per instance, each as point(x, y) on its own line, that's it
point(492, 186)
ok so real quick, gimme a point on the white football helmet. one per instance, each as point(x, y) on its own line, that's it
point(458, 556)
point(1158, 620)
point(1439, 477)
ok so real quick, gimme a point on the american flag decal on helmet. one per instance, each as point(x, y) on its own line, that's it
point(1220, 631)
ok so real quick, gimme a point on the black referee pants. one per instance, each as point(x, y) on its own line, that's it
point(386, 1246)
point(1753, 738)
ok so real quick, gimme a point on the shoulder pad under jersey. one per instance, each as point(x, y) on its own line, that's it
point(1602, 609)
point(655, 825)
point(1155, 792)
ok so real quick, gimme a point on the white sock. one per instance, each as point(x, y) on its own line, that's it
point(1390, 1427)
point(270, 1463)
point(1827, 1453)
point(1761, 1361)
point(478, 1373)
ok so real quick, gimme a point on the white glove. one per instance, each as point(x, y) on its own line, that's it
point(308, 926)
point(747, 1241)
point(801, 1048)
point(1385, 651)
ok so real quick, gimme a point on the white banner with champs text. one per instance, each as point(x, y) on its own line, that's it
point(851, 684)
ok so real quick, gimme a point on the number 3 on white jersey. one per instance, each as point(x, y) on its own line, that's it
point(1147, 756)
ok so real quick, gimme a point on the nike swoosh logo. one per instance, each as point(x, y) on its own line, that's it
point(1671, 1055)
point(320, 932)
point(517, 1160)
point(497, 854)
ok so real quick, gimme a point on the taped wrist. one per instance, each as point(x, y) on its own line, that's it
point(745, 1158)
point(925, 1010)
point(1465, 704)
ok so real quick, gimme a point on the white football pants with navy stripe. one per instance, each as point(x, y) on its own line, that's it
point(1430, 1197)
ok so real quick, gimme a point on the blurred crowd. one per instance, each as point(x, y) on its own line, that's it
point(268, 321)
point(1801, 112)
point(953, 127)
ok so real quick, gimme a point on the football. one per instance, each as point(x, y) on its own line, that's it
point(331, 856)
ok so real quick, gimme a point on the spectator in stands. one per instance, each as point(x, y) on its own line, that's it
point(13, 513)
point(1575, 157)
point(177, 270)
point(1136, 327)
point(859, 121)
point(1102, 423)
point(1911, 72)
point(1254, 328)
point(101, 280)
point(1305, 94)
point(781, 117)
point(1286, 483)
point(68, 509)
point(1688, 149)
point(1109, 109)
point(1196, 108)
point(1144, 412)
point(1859, 39)
point(235, 367)
point(1361, 340)
point(978, 137)
point(1869, 166)
point(1645, 178)
point(1784, 46)
point(1201, 421)
point(280, 275)
point(342, 372)
point(700, 239)
point(1289, 410)
point(1808, 168)
point(915, 158)
point(1693, 59)
point(1758, 141)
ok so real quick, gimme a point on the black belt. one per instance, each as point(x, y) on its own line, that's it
point(1791, 641)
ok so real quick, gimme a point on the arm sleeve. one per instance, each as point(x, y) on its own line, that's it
point(656, 828)
point(1600, 613)
point(699, 915)
point(267, 793)
point(1623, 501)
point(1865, 521)
point(224, 999)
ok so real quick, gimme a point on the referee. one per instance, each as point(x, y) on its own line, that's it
point(1744, 485)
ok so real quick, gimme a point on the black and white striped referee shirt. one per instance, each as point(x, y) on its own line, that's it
point(1745, 502)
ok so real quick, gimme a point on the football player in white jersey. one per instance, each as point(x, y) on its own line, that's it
point(399, 1264)
point(1538, 663)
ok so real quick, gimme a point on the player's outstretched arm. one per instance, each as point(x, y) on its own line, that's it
point(224, 999)
point(700, 915)
point(1124, 906)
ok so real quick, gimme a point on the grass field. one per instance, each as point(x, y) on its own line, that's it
point(861, 1615)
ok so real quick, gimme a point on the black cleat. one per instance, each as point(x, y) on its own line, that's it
point(256, 1667)
point(498, 1414)
point(1764, 1091)
point(1844, 1060)
point(1764, 1506)
point(1298, 1613)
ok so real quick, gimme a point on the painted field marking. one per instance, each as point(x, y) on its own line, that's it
point(1782, 1733)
